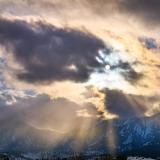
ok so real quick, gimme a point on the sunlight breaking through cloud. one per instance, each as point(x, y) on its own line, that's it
point(71, 69)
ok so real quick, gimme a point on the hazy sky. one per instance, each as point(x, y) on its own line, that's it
point(65, 59)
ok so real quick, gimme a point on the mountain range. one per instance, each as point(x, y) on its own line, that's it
point(139, 136)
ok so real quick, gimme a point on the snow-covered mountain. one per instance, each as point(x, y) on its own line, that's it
point(135, 137)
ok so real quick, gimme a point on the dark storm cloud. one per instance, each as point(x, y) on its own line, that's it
point(122, 65)
point(132, 76)
point(125, 105)
point(127, 71)
point(49, 53)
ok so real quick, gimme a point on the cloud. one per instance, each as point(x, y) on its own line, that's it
point(149, 43)
point(48, 53)
point(143, 11)
point(127, 105)
point(43, 112)
point(146, 10)
point(132, 76)
point(52, 120)
point(127, 71)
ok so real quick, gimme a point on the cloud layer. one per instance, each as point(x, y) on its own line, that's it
point(96, 44)
point(48, 53)
point(67, 65)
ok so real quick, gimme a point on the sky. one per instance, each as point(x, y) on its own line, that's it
point(89, 59)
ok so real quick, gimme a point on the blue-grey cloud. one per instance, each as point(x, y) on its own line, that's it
point(149, 43)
